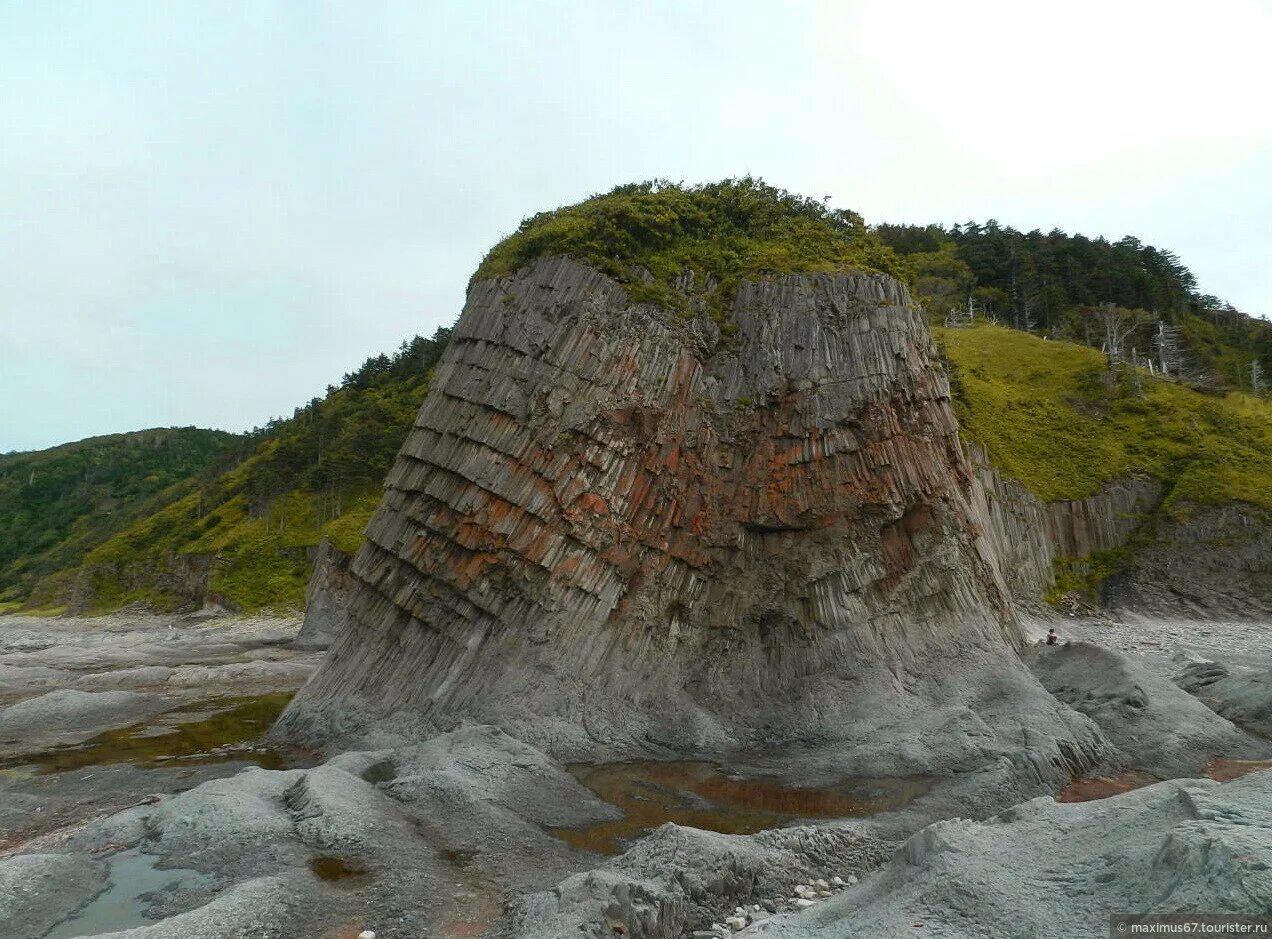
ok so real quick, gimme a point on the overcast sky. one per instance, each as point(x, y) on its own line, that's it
point(210, 211)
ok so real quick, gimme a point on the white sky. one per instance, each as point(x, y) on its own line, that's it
point(209, 211)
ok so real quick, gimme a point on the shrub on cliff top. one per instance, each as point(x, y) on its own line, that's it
point(734, 229)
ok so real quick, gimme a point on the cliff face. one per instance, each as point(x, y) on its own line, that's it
point(1030, 535)
point(1206, 562)
point(611, 528)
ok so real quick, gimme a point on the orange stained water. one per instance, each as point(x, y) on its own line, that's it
point(1226, 770)
point(702, 795)
point(1089, 788)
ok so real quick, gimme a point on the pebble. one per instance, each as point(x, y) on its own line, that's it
point(821, 884)
point(366, 934)
point(800, 903)
point(736, 922)
point(837, 881)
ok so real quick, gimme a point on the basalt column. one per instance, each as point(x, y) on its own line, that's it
point(616, 527)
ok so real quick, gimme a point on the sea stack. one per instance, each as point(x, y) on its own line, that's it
point(619, 528)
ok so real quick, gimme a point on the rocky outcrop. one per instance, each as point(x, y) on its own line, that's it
point(1046, 868)
point(1205, 562)
point(326, 597)
point(1159, 728)
point(1242, 694)
point(1031, 535)
point(616, 529)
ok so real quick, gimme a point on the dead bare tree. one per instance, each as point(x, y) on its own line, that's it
point(1258, 384)
point(1169, 349)
point(959, 317)
point(1118, 324)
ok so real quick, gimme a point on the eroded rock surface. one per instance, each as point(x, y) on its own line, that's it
point(1050, 869)
point(1158, 727)
point(1204, 562)
point(1242, 694)
point(613, 530)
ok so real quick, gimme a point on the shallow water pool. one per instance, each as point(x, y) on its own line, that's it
point(122, 905)
point(703, 795)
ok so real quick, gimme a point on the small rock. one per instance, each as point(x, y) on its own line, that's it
point(824, 893)
point(366, 934)
point(837, 881)
point(736, 923)
point(852, 879)
point(801, 903)
point(821, 884)
point(738, 911)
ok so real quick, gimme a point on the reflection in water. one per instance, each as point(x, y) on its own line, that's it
point(133, 877)
point(208, 732)
point(701, 795)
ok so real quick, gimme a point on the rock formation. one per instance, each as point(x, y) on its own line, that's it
point(327, 597)
point(1205, 562)
point(1030, 535)
point(615, 528)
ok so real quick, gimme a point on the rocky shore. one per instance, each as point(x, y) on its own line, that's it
point(463, 834)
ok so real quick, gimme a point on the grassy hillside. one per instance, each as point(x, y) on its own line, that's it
point(1054, 417)
point(248, 531)
point(57, 505)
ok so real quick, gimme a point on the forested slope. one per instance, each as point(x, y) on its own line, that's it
point(242, 537)
point(59, 504)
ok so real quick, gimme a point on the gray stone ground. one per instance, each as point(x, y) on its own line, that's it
point(452, 836)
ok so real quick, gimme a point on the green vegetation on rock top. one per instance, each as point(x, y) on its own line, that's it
point(727, 231)
point(1053, 417)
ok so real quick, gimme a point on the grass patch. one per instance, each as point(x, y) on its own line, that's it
point(1051, 416)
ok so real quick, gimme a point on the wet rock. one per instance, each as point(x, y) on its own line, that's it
point(263, 908)
point(679, 879)
point(70, 716)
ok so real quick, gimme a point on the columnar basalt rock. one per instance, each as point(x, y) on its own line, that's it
point(617, 528)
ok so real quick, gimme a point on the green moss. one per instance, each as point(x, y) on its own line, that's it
point(1085, 576)
point(722, 232)
point(1051, 416)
